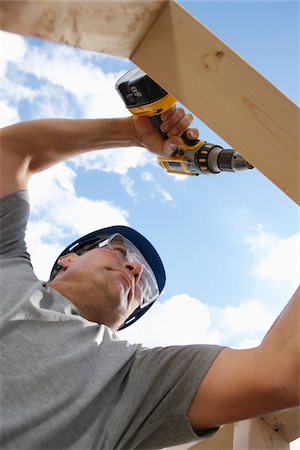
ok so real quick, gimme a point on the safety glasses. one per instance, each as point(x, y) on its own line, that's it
point(128, 252)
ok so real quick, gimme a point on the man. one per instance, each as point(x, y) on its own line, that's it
point(67, 380)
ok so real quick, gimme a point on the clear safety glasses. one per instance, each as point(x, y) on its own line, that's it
point(131, 254)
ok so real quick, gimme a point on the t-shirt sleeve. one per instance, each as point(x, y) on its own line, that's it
point(159, 401)
point(14, 213)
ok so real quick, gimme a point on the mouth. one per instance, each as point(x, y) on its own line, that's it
point(126, 276)
point(131, 284)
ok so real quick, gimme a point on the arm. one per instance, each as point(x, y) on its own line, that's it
point(30, 147)
point(245, 383)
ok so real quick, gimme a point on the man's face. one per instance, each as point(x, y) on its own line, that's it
point(102, 284)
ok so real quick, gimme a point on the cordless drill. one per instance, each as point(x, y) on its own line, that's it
point(144, 97)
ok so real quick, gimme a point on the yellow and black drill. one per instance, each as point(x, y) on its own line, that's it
point(144, 97)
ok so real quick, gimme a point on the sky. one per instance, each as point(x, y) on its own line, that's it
point(229, 242)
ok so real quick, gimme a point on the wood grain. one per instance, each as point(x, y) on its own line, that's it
point(113, 27)
point(254, 434)
point(226, 93)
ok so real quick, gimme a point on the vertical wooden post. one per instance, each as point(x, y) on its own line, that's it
point(255, 434)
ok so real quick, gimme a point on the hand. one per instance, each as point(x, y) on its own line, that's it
point(174, 122)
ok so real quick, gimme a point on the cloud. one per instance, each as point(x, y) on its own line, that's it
point(167, 197)
point(77, 73)
point(260, 239)
point(13, 48)
point(277, 258)
point(180, 320)
point(249, 317)
point(43, 254)
point(149, 178)
point(282, 263)
point(183, 319)
point(59, 215)
point(61, 81)
point(8, 114)
point(114, 160)
point(128, 185)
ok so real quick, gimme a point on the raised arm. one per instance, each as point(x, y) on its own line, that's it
point(32, 146)
point(245, 383)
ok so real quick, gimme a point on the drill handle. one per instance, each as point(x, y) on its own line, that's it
point(156, 120)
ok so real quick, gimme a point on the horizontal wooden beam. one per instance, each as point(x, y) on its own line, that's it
point(226, 93)
point(189, 61)
point(254, 434)
point(113, 27)
point(280, 427)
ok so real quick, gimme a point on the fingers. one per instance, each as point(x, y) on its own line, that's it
point(175, 121)
point(192, 133)
point(171, 145)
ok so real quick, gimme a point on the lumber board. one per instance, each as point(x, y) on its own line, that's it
point(113, 27)
point(189, 61)
point(226, 93)
point(254, 434)
point(284, 423)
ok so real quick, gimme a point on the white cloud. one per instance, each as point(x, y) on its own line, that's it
point(53, 193)
point(277, 258)
point(180, 320)
point(167, 197)
point(114, 160)
point(128, 185)
point(282, 263)
point(13, 48)
point(183, 319)
point(8, 114)
point(70, 83)
point(43, 254)
point(149, 178)
point(260, 239)
point(249, 317)
point(59, 214)
point(75, 72)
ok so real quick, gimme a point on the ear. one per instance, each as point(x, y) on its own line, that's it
point(66, 260)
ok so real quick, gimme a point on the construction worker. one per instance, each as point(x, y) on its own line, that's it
point(68, 381)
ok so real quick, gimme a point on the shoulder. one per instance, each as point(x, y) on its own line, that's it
point(14, 213)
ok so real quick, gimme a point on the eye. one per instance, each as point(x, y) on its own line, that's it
point(120, 250)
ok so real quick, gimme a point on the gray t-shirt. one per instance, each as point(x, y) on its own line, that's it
point(67, 383)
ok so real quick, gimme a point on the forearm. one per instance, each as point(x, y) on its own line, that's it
point(48, 141)
point(282, 342)
point(32, 146)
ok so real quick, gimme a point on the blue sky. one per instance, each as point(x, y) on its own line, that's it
point(229, 242)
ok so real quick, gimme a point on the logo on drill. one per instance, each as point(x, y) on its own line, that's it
point(136, 92)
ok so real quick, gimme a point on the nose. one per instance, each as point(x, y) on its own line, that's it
point(135, 269)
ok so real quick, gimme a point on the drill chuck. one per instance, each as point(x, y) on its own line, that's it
point(225, 160)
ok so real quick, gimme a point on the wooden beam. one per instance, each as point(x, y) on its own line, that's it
point(286, 423)
point(254, 434)
point(190, 62)
point(281, 426)
point(113, 27)
point(220, 88)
